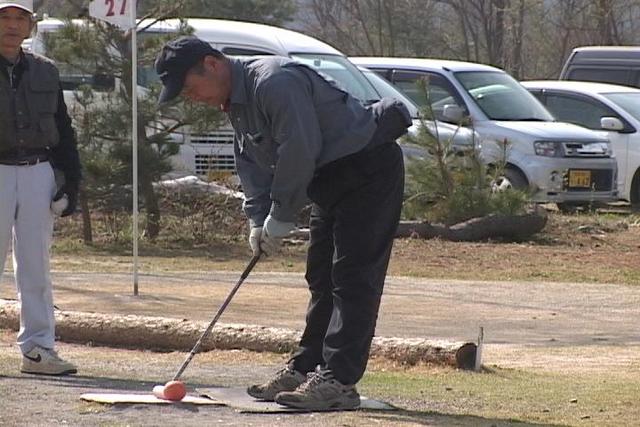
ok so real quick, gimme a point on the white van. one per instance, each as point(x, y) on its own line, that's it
point(213, 151)
point(611, 110)
point(558, 162)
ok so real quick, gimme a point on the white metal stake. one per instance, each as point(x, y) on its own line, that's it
point(134, 135)
point(478, 364)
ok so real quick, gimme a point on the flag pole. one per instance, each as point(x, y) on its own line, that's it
point(134, 134)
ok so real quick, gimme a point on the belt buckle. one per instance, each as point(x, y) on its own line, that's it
point(28, 162)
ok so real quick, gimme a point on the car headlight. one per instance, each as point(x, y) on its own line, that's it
point(546, 148)
point(605, 147)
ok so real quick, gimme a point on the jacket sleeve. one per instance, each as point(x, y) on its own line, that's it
point(65, 155)
point(287, 103)
point(256, 185)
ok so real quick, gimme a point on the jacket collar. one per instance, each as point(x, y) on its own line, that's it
point(22, 61)
point(238, 77)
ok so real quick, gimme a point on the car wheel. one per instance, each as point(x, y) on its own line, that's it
point(634, 196)
point(511, 178)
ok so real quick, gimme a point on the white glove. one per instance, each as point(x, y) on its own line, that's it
point(254, 240)
point(268, 238)
point(59, 205)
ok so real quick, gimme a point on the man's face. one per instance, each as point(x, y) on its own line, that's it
point(15, 26)
point(210, 85)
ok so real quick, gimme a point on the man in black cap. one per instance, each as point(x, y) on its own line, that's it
point(299, 137)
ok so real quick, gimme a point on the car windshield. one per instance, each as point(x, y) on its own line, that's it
point(630, 102)
point(501, 97)
point(386, 90)
point(340, 71)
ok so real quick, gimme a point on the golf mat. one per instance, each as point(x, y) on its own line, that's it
point(113, 398)
point(238, 398)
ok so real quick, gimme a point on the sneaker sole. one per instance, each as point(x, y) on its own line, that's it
point(332, 406)
point(55, 374)
point(258, 396)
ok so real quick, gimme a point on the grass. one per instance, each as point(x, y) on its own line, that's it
point(513, 394)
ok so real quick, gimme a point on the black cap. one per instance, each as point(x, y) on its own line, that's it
point(176, 59)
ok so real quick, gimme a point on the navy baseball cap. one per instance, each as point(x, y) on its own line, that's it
point(176, 59)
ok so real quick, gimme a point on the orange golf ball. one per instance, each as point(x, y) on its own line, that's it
point(174, 390)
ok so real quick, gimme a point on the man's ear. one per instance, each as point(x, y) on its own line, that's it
point(210, 63)
point(34, 25)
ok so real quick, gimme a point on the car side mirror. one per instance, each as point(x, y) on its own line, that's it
point(453, 113)
point(611, 123)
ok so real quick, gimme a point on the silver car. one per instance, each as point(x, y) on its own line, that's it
point(557, 162)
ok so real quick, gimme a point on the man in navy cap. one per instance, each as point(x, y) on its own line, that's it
point(299, 137)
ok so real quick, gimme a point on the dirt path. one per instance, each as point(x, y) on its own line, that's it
point(531, 313)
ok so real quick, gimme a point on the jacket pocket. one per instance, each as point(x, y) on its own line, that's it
point(49, 130)
point(263, 147)
point(45, 95)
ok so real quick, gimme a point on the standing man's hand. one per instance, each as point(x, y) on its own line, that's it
point(268, 238)
point(65, 200)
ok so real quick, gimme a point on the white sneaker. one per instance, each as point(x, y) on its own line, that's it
point(45, 361)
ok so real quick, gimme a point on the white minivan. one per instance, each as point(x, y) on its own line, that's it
point(213, 150)
point(611, 110)
point(557, 162)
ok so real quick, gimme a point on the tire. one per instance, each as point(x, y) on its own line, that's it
point(634, 195)
point(512, 178)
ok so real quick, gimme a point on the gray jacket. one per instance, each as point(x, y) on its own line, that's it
point(27, 115)
point(288, 122)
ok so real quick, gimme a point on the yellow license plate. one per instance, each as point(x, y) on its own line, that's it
point(581, 179)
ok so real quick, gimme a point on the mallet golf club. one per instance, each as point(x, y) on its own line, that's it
point(175, 390)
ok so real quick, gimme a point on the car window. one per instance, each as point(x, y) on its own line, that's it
point(628, 101)
point(501, 97)
point(577, 110)
point(241, 51)
point(441, 92)
point(387, 90)
point(342, 72)
point(603, 75)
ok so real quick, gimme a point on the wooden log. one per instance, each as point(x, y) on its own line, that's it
point(494, 226)
point(167, 334)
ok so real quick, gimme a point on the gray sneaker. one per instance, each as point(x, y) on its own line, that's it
point(45, 361)
point(286, 379)
point(321, 392)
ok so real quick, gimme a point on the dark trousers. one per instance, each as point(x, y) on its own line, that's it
point(355, 214)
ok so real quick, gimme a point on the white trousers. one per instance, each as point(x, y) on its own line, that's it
point(26, 221)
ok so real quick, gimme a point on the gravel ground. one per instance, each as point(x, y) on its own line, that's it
point(31, 400)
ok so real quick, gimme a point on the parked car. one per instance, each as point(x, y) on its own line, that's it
point(611, 110)
point(462, 138)
point(557, 162)
point(606, 64)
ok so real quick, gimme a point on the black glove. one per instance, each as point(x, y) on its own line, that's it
point(71, 190)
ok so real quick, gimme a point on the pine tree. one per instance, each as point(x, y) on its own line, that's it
point(104, 51)
point(450, 183)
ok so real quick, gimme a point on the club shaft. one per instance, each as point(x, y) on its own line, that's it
point(224, 305)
